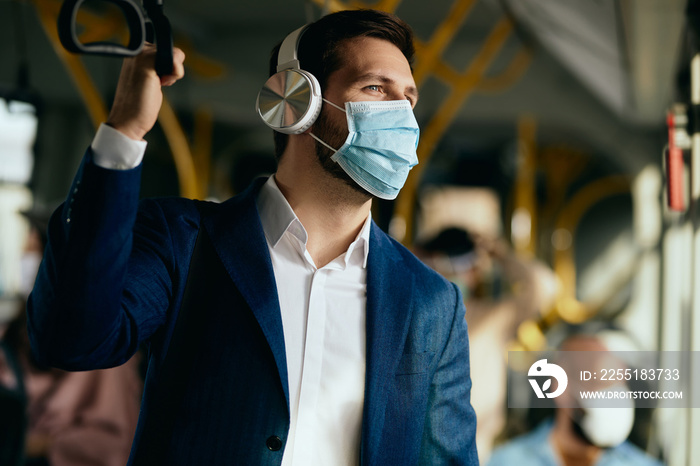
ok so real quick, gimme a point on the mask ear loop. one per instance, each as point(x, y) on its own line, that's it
point(319, 139)
point(334, 105)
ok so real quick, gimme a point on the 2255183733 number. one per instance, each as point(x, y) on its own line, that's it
point(639, 374)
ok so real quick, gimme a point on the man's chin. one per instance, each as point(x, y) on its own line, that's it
point(323, 154)
point(345, 178)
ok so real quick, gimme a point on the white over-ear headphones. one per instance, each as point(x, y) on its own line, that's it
point(290, 100)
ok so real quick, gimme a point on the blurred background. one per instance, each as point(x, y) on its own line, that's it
point(557, 183)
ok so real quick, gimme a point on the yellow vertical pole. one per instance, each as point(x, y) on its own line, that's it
point(180, 149)
point(524, 225)
point(201, 147)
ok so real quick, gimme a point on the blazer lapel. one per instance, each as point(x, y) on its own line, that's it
point(239, 240)
point(389, 298)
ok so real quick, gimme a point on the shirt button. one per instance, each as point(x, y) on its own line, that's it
point(274, 443)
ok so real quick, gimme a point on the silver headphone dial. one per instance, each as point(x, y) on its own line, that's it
point(285, 99)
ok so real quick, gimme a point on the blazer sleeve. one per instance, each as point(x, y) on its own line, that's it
point(105, 281)
point(450, 427)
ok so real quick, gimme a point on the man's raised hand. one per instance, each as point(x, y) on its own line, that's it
point(139, 95)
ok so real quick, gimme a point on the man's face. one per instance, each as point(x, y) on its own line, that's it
point(373, 69)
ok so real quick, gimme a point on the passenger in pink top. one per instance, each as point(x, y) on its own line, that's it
point(75, 418)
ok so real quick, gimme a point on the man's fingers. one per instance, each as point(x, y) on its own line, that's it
point(178, 68)
point(148, 56)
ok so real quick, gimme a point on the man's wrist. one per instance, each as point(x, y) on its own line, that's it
point(115, 150)
point(126, 131)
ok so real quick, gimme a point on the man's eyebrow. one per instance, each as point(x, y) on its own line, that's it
point(411, 91)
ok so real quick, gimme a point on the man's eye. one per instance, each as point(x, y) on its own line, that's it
point(374, 87)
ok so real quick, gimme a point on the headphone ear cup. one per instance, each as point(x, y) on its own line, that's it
point(290, 101)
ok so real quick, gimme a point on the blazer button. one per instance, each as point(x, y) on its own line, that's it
point(274, 443)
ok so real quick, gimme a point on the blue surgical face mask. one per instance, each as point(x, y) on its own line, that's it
point(381, 145)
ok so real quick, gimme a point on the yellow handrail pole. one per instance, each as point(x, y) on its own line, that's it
point(564, 263)
point(515, 70)
point(202, 66)
point(97, 110)
point(111, 24)
point(491, 84)
point(568, 308)
point(389, 6)
point(201, 146)
point(561, 166)
point(524, 201)
point(333, 5)
point(444, 117)
point(430, 53)
point(180, 149)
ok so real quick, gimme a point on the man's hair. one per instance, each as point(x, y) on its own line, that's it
point(319, 48)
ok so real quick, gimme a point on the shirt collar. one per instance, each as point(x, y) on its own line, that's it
point(278, 217)
point(362, 242)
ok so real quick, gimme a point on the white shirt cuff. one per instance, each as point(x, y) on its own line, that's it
point(116, 151)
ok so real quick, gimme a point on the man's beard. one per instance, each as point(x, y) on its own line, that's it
point(333, 135)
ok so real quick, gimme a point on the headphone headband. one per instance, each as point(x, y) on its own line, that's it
point(287, 56)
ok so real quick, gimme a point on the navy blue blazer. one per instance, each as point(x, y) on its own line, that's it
point(113, 277)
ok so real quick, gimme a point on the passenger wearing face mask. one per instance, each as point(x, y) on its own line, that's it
point(580, 436)
point(501, 291)
point(283, 326)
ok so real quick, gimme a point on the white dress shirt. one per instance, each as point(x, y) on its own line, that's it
point(323, 318)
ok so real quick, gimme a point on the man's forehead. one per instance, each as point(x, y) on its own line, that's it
point(364, 58)
point(357, 46)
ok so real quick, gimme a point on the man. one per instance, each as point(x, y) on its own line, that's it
point(319, 340)
point(585, 435)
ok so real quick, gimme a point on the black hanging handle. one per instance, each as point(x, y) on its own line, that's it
point(160, 33)
point(158, 24)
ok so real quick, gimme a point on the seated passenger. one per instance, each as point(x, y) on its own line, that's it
point(577, 436)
